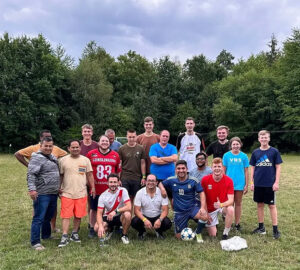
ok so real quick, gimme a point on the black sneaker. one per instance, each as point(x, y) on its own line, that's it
point(64, 241)
point(276, 235)
point(92, 233)
point(159, 235)
point(238, 227)
point(224, 237)
point(141, 236)
point(259, 230)
point(75, 237)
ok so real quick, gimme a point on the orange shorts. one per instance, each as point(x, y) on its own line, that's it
point(73, 207)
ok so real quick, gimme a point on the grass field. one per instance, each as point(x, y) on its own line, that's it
point(263, 251)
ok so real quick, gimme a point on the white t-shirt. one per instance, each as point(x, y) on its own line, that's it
point(111, 201)
point(190, 146)
point(150, 207)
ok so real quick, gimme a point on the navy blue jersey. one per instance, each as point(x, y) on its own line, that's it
point(183, 192)
point(264, 162)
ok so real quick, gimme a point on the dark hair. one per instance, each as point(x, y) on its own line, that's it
point(131, 130)
point(113, 175)
point(181, 162)
point(235, 139)
point(73, 140)
point(46, 139)
point(44, 131)
point(201, 154)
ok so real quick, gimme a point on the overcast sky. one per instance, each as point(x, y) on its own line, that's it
point(154, 28)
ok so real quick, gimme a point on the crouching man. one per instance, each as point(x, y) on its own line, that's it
point(114, 209)
point(218, 189)
point(151, 210)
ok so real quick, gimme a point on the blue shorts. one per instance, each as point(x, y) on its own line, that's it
point(181, 219)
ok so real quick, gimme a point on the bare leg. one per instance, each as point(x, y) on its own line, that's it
point(212, 231)
point(260, 212)
point(76, 224)
point(238, 195)
point(53, 222)
point(65, 225)
point(273, 213)
point(126, 221)
point(93, 214)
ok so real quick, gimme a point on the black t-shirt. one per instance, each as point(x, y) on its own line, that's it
point(217, 150)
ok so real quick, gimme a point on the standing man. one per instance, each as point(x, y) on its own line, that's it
point(218, 189)
point(24, 156)
point(201, 169)
point(114, 209)
point(186, 206)
point(151, 210)
point(87, 144)
point(189, 144)
point(75, 170)
point(265, 174)
point(133, 158)
point(163, 157)
point(221, 146)
point(43, 184)
point(114, 145)
point(104, 162)
point(147, 139)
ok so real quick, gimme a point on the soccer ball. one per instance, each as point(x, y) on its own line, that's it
point(187, 234)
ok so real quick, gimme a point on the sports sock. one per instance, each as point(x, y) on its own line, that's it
point(260, 225)
point(275, 228)
point(226, 230)
point(201, 225)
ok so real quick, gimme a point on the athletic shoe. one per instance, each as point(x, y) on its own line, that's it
point(199, 238)
point(75, 237)
point(259, 230)
point(141, 236)
point(160, 235)
point(108, 236)
point(276, 235)
point(38, 247)
point(64, 241)
point(238, 227)
point(92, 233)
point(125, 239)
point(224, 237)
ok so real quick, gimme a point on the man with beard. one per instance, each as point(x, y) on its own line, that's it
point(221, 146)
point(114, 209)
point(201, 169)
point(186, 206)
point(104, 162)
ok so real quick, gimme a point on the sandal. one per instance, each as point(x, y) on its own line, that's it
point(38, 246)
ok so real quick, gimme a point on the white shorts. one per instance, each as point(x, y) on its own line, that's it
point(214, 217)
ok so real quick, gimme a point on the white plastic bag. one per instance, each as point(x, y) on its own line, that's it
point(233, 244)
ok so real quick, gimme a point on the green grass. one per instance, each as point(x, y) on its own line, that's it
point(263, 251)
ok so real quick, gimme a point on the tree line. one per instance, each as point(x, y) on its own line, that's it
point(42, 88)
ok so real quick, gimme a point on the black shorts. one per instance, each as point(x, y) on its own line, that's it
point(115, 222)
point(94, 202)
point(132, 186)
point(264, 195)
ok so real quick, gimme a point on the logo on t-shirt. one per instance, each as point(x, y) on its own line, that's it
point(264, 162)
point(209, 186)
point(189, 186)
point(82, 169)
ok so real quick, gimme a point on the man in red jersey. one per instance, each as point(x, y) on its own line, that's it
point(104, 162)
point(218, 189)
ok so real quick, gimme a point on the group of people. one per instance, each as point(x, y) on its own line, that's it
point(119, 186)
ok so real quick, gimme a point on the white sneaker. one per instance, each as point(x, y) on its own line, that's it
point(125, 239)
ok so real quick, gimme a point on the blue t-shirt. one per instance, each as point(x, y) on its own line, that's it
point(183, 192)
point(199, 174)
point(265, 162)
point(115, 146)
point(162, 172)
point(235, 168)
